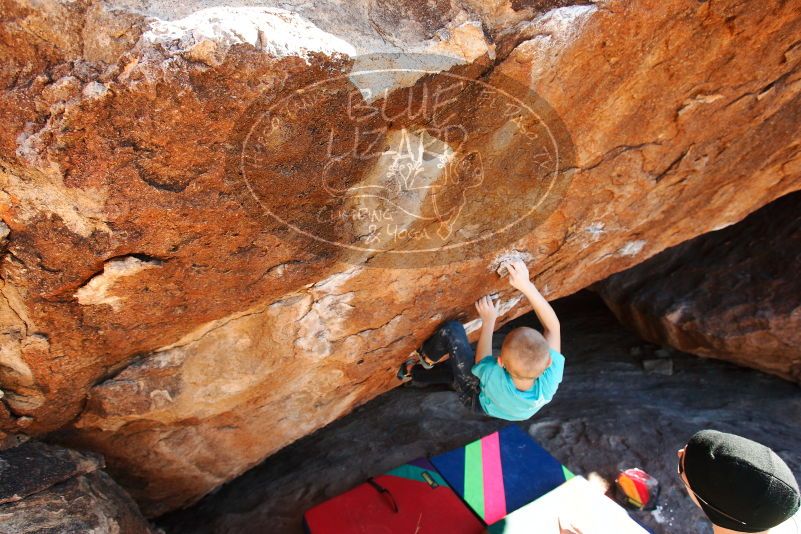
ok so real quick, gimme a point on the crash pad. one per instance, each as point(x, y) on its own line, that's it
point(501, 472)
point(410, 498)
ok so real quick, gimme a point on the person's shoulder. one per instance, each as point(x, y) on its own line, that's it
point(487, 362)
point(549, 380)
point(556, 357)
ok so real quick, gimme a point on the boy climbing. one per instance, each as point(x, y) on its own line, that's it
point(523, 378)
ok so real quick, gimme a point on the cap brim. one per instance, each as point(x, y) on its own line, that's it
point(726, 522)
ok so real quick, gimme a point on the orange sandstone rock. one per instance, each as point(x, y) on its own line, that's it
point(191, 279)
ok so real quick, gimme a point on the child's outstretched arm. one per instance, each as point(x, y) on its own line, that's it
point(488, 311)
point(519, 279)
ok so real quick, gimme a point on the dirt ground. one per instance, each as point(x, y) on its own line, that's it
point(609, 414)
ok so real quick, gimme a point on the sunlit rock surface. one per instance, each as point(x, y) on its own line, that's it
point(187, 283)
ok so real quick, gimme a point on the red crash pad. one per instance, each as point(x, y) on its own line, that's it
point(410, 498)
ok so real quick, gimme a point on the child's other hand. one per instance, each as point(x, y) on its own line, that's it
point(518, 275)
point(487, 310)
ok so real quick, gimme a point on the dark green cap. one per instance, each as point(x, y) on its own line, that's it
point(744, 479)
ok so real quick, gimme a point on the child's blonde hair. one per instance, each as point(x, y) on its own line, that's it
point(526, 350)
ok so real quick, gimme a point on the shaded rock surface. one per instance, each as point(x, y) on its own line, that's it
point(607, 415)
point(35, 466)
point(733, 294)
point(154, 310)
point(44, 488)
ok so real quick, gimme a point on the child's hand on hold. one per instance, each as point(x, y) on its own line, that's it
point(518, 275)
point(487, 310)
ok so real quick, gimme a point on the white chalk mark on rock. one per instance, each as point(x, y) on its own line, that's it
point(632, 248)
point(98, 289)
point(207, 35)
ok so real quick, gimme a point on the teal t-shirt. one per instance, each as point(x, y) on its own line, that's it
point(500, 398)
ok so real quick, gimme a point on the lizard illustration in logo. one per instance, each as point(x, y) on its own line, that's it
point(423, 177)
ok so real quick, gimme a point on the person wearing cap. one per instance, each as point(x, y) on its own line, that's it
point(741, 485)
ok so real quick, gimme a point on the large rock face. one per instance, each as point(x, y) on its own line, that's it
point(187, 283)
point(733, 294)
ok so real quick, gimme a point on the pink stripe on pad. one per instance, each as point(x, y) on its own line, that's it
point(494, 495)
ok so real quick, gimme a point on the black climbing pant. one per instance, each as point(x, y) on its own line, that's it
point(451, 339)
